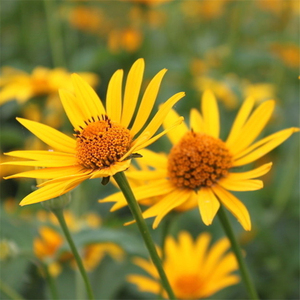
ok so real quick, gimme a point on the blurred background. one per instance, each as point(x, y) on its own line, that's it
point(234, 48)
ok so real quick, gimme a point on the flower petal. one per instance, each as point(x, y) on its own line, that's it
point(132, 90)
point(208, 205)
point(241, 185)
point(240, 120)
point(196, 121)
point(50, 136)
point(262, 147)
point(114, 97)
point(174, 135)
point(255, 173)
point(210, 114)
point(147, 102)
point(234, 205)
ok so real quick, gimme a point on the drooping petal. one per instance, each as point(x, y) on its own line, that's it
point(147, 102)
point(253, 127)
point(241, 185)
point(114, 97)
point(89, 102)
point(196, 121)
point(255, 173)
point(210, 112)
point(240, 120)
point(262, 147)
point(208, 205)
point(174, 135)
point(132, 90)
point(50, 136)
point(234, 205)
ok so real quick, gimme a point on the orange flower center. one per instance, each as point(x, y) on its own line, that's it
point(198, 160)
point(188, 286)
point(102, 143)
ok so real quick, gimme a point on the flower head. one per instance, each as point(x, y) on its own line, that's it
point(200, 169)
point(105, 139)
point(194, 271)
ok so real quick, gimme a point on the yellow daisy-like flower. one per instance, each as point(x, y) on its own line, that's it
point(194, 271)
point(200, 168)
point(105, 139)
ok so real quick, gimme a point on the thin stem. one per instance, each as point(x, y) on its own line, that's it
point(11, 293)
point(137, 214)
point(51, 283)
point(238, 253)
point(60, 216)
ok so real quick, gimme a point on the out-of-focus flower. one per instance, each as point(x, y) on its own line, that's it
point(127, 39)
point(148, 2)
point(193, 269)
point(288, 53)
point(259, 91)
point(103, 145)
point(199, 170)
point(19, 85)
point(278, 6)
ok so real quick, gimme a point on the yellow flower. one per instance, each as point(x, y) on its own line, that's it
point(200, 168)
point(19, 85)
point(104, 142)
point(193, 270)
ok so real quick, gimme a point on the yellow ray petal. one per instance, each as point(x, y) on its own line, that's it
point(210, 112)
point(147, 102)
point(226, 264)
point(41, 155)
point(42, 163)
point(241, 185)
point(214, 286)
point(196, 121)
point(116, 167)
point(253, 127)
point(114, 97)
point(50, 136)
point(51, 191)
point(234, 205)
point(48, 173)
point(72, 109)
point(176, 134)
point(162, 113)
point(201, 244)
point(255, 173)
point(146, 265)
point(156, 160)
point(262, 147)
point(145, 284)
point(240, 120)
point(89, 102)
point(208, 205)
point(147, 175)
point(132, 90)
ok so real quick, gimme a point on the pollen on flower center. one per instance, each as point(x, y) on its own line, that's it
point(188, 286)
point(198, 160)
point(101, 143)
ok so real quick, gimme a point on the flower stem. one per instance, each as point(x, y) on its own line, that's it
point(136, 212)
point(12, 294)
point(60, 217)
point(51, 283)
point(238, 253)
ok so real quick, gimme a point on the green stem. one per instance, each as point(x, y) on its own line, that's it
point(11, 293)
point(60, 216)
point(51, 283)
point(238, 253)
point(54, 32)
point(136, 212)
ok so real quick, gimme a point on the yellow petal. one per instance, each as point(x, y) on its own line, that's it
point(114, 97)
point(153, 159)
point(132, 90)
point(50, 136)
point(89, 102)
point(147, 175)
point(263, 147)
point(72, 109)
point(208, 205)
point(146, 265)
point(161, 114)
point(147, 102)
point(176, 134)
point(144, 283)
point(240, 120)
point(196, 121)
point(255, 173)
point(234, 205)
point(241, 185)
point(114, 168)
point(253, 127)
point(201, 245)
point(51, 191)
point(210, 114)
point(41, 155)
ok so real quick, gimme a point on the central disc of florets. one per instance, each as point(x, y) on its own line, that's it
point(101, 143)
point(198, 160)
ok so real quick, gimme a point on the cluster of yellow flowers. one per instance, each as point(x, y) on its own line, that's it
point(199, 171)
